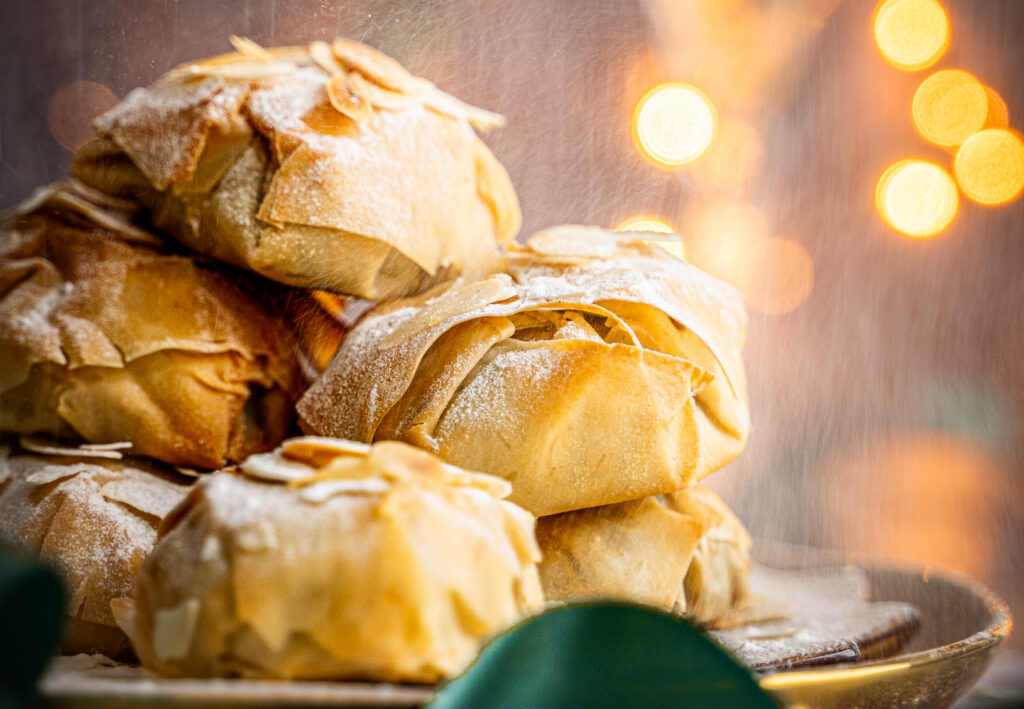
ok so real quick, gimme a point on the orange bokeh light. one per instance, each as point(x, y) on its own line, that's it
point(990, 166)
point(926, 496)
point(949, 107)
point(733, 159)
point(72, 110)
point(777, 275)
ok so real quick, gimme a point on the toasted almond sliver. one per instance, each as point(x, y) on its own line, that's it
point(346, 100)
point(244, 45)
point(375, 66)
point(379, 96)
point(119, 446)
point(239, 71)
point(42, 447)
point(479, 118)
point(320, 52)
point(317, 451)
point(274, 466)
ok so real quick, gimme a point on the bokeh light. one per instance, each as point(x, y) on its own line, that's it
point(723, 234)
point(733, 159)
point(924, 496)
point(911, 34)
point(949, 107)
point(777, 275)
point(917, 198)
point(673, 124)
point(998, 113)
point(73, 109)
point(655, 226)
point(990, 166)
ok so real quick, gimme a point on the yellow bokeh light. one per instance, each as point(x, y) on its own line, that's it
point(990, 166)
point(653, 225)
point(911, 34)
point(673, 124)
point(949, 107)
point(777, 275)
point(917, 198)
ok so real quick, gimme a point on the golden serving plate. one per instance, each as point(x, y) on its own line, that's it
point(963, 625)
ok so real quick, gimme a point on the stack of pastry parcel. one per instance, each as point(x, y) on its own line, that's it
point(169, 326)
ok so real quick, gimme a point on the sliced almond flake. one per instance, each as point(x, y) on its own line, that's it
point(173, 629)
point(323, 490)
point(345, 100)
point(375, 65)
point(190, 472)
point(479, 118)
point(239, 71)
point(48, 473)
point(45, 447)
point(120, 445)
point(147, 494)
point(379, 96)
point(456, 301)
point(319, 450)
point(272, 466)
point(321, 54)
point(244, 45)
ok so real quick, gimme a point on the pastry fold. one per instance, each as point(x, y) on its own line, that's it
point(685, 552)
point(95, 519)
point(328, 166)
point(596, 370)
point(109, 339)
point(329, 559)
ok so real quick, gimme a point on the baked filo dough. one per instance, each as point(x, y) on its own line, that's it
point(328, 166)
point(685, 552)
point(105, 337)
point(94, 517)
point(330, 559)
point(595, 371)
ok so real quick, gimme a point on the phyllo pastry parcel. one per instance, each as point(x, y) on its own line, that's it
point(684, 552)
point(107, 338)
point(328, 166)
point(596, 370)
point(94, 517)
point(329, 559)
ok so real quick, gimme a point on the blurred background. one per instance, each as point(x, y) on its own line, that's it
point(816, 153)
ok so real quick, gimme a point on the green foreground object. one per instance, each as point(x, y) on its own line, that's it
point(31, 611)
point(604, 655)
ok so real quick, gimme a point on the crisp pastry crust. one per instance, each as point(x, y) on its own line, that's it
point(685, 552)
point(329, 559)
point(106, 338)
point(327, 166)
point(95, 519)
point(596, 370)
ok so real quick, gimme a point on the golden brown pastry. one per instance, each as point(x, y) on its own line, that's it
point(327, 166)
point(329, 559)
point(685, 552)
point(105, 338)
point(95, 519)
point(599, 371)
